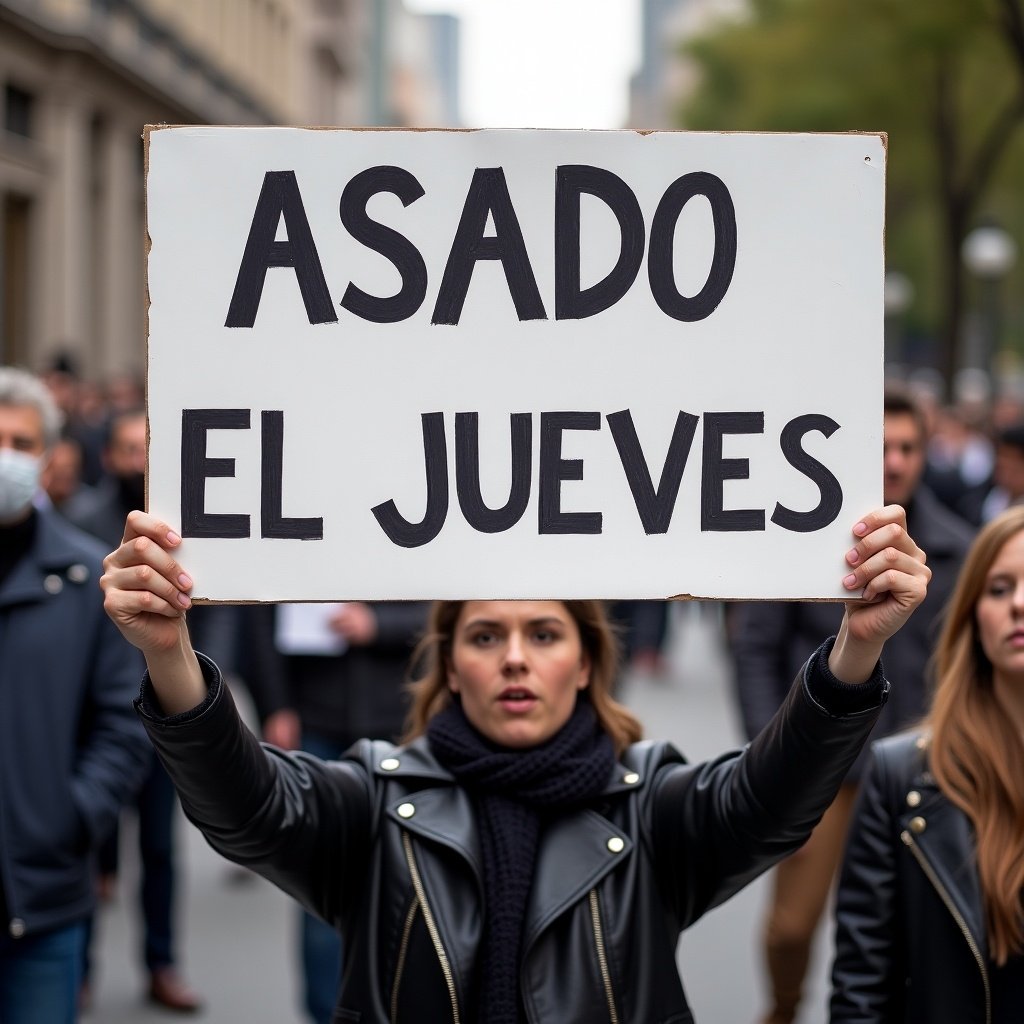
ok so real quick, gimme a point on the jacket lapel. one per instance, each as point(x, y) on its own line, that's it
point(443, 815)
point(579, 850)
point(947, 844)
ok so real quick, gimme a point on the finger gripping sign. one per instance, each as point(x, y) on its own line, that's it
point(499, 364)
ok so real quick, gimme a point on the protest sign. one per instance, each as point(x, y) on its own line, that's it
point(391, 364)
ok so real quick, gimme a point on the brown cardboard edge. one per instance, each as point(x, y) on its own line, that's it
point(147, 244)
point(257, 601)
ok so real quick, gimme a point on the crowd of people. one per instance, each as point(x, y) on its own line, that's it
point(456, 845)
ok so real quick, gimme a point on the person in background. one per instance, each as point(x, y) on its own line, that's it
point(521, 857)
point(643, 628)
point(62, 378)
point(71, 750)
point(102, 515)
point(124, 391)
point(930, 904)
point(323, 676)
point(766, 639)
point(1005, 487)
point(62, 478)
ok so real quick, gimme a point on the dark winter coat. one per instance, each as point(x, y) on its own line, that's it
point(71, 749)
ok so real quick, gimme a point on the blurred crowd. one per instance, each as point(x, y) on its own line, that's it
point(320, 679)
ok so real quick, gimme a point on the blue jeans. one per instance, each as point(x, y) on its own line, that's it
point(320, 943)
point(40, 975)
point(157, 805)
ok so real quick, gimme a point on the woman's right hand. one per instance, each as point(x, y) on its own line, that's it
point(146, 594)
point(146, 590)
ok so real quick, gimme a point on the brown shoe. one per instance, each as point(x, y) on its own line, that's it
point(84, 997)
point(106, 888)
point(168, 989)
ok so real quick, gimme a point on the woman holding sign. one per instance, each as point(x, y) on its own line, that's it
point(931, 897)
point(523, 857)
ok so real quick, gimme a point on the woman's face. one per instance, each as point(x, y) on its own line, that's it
point(1000, 611)
point(518, 666)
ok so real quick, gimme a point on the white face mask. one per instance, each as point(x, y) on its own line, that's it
point(19, 479)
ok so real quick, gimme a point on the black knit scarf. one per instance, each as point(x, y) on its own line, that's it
point(514, 792)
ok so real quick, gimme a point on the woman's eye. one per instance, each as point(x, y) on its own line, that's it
point(482, 639)
point(545, 636)
point(999, 589)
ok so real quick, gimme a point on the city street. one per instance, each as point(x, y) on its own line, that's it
point(642, 295)
point(237, 934)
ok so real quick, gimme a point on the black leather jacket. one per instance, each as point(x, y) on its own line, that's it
point(383, 844)
point(910, 935)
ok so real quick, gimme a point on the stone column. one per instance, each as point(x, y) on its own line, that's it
point(121, 344)
point(65, 312)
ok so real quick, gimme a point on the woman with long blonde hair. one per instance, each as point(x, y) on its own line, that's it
point(930, 919)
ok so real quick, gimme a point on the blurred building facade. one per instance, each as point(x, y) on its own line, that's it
point(666, 76)
point(80, 79)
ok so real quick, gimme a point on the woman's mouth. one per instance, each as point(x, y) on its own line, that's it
point(517, 699)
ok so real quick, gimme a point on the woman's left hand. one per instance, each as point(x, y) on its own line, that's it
point(893, 573)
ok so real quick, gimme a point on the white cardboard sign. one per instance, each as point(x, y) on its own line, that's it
point(500, 364)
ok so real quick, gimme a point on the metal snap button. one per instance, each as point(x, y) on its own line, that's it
point(389, 764)
point(406, 810)
point(616, 844)
point(53, 584)
point(631, 778)
point(918, 825)
point(913, 798)
point(17, 928)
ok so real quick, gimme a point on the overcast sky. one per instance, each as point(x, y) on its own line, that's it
point(544, 63)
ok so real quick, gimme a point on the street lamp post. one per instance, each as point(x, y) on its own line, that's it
point(989, 253)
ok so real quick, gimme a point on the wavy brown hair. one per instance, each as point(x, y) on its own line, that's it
point(977, 755)
point(430, 693)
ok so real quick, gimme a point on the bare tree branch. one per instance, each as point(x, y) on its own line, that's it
point(1011, 18)
point(991, 148)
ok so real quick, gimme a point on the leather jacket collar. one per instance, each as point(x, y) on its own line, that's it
point(943, 836)
point(576, 846)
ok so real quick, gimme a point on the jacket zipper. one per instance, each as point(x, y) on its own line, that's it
point(908, 840)
point(428, 917)
point(402, 950)
point(602, 958)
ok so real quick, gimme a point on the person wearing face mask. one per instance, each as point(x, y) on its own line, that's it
point(102, 514)
point(71, 751)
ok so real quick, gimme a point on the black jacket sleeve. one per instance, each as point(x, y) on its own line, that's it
point(720, 824)
point(283, 814)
